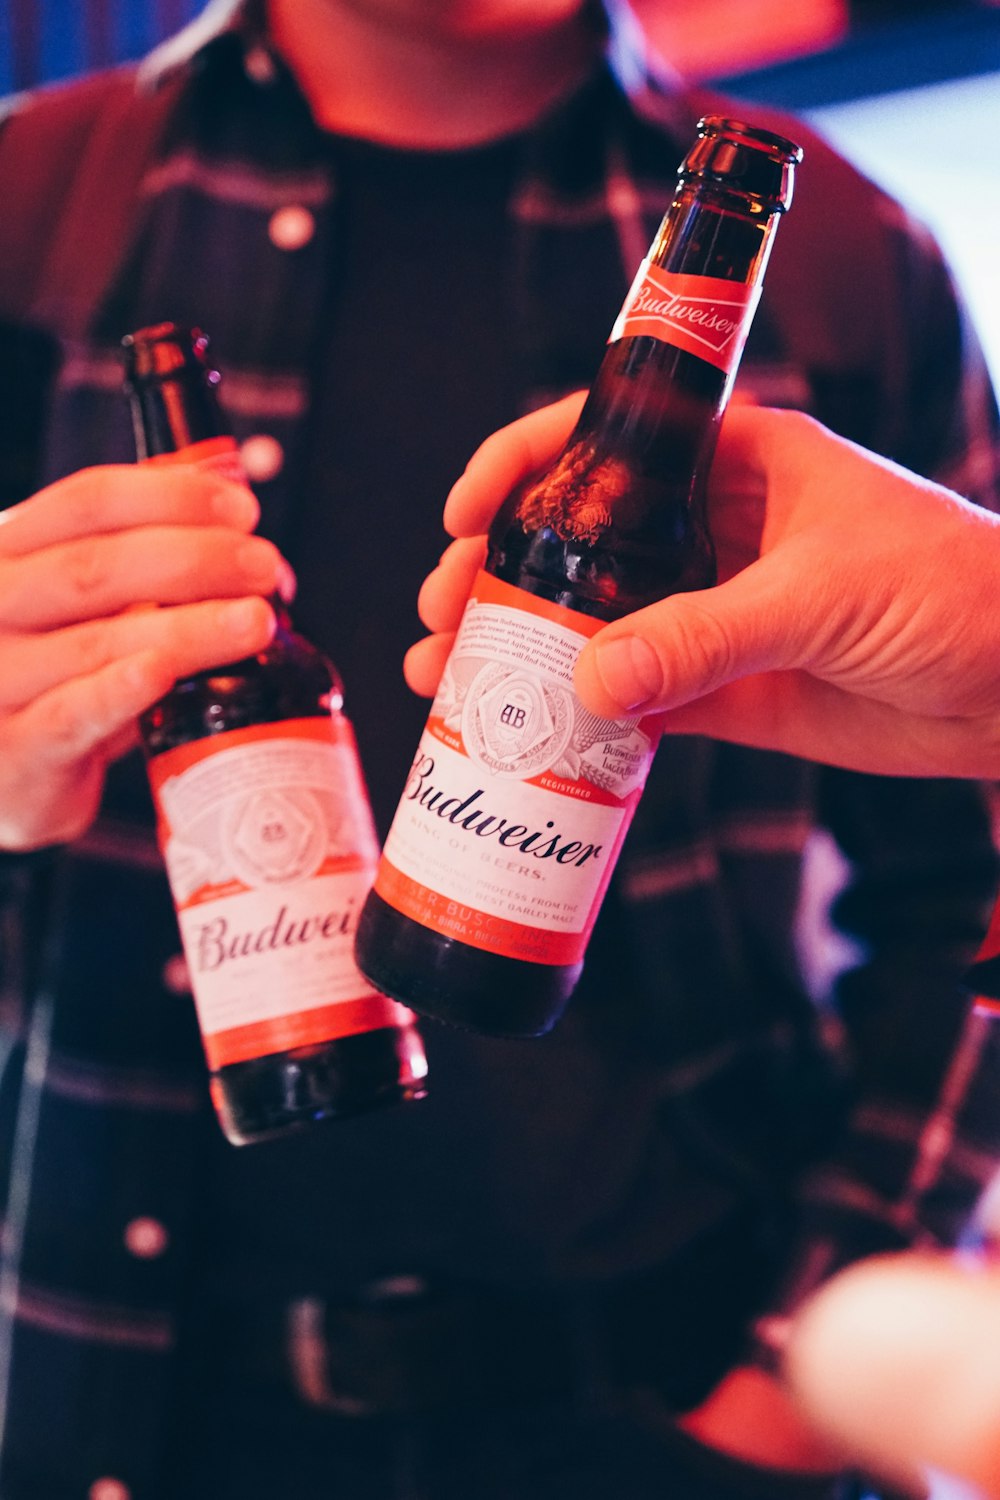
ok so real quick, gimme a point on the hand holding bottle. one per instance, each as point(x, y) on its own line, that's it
point(265, 829)
point(81, 650)
point(854, 622)
point(495, 941)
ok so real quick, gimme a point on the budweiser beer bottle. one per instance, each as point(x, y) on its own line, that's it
point(519, 799)
point(265, 828)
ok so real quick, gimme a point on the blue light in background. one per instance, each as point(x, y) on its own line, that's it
point(934, 149)
point(61, 34)
point(42, 41)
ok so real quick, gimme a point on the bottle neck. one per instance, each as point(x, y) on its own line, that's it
point(171, 414)
point(709, 232)
point(675, 347)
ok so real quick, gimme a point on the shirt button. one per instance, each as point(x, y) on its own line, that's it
point(263, 457)
point(175, 977)
point(259, 65)
point(292, 227)
point(146, 1238)
point(109, 1489)
point(396, 1288)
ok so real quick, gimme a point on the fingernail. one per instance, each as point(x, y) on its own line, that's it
point(288, 584)
point(257, 562)
point(242, 617)
point(235, 505)
point(139, 674)
point(630, 670)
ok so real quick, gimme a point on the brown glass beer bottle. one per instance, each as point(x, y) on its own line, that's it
point(266, 832)
point(518, 799)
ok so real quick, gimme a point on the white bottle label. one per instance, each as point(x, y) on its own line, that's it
point(519, 798)
point(270, 850)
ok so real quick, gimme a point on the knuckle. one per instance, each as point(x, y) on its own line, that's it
point(703, 643)
point(62, 727)
point(787, 420)
point(500, 441)
point(86, 494)
point(90, 649)
point(85, 568)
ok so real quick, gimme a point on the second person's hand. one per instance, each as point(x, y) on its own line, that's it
point(854, 622)
point(114, 582)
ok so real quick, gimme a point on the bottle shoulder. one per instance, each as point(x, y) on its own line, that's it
point(290, 679)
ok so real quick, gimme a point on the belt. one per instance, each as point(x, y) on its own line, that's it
point(409, 1344)
point(405, 1346)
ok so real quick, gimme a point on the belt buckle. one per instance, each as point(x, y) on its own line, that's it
point(307, 1341)
point(309, 1360)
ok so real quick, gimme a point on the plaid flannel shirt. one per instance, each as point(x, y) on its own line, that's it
point(861, 1093)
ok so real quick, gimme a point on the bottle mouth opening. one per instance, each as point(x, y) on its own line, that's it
point(740, 158)
point(740, 132)
point(162, 349)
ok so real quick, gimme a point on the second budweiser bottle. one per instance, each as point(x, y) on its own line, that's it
point(518, 800)
point(266, 831)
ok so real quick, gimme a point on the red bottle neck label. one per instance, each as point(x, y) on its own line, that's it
point(703, 315)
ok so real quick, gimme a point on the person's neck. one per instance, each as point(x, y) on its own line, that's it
point(410, 86)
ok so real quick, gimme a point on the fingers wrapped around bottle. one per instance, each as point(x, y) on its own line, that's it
point(114, 583)
point(854, 619)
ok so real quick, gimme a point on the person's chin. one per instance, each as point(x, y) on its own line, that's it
point(486, 19)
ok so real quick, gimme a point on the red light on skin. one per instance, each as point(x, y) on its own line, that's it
point(705, 38)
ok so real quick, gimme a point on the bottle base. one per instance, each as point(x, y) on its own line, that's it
point(452, 982)
point(278, 1095)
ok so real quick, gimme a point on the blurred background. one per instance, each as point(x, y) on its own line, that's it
point(908, 89)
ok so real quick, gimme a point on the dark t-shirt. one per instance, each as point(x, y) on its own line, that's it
point(519, 1166)
point(401, 397)
point(402, 394)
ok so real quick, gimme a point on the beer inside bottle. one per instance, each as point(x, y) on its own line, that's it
point(265, 828)
point(518, 800)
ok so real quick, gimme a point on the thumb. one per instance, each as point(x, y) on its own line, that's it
point(690, 644)
point(897, 1360)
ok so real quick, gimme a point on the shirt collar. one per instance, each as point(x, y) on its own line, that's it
point(243, 18)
